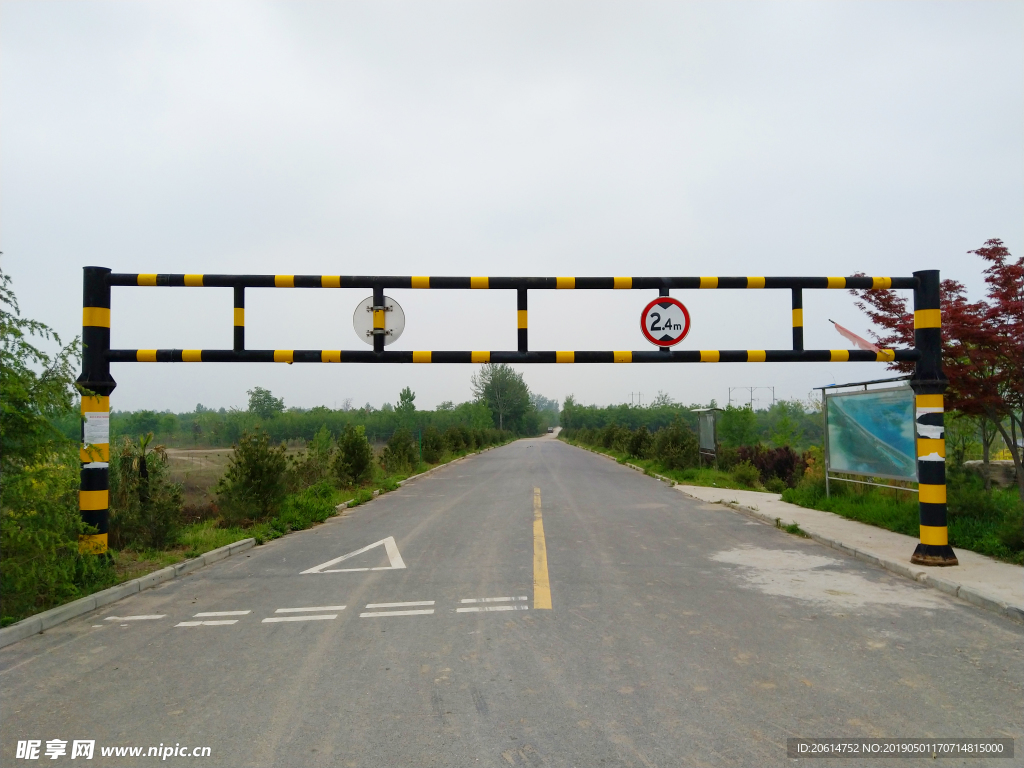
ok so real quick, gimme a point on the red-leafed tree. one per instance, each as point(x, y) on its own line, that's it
point(982, 343)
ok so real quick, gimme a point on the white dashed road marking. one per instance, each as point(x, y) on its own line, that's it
point(478, 608)
point(206, 623)
point(410, 608)
point(310, 610)
point(490, 599)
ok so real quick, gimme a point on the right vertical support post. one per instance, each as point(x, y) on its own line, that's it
point(929, 383)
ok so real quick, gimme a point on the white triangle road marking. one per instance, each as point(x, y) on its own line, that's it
point(389, 546)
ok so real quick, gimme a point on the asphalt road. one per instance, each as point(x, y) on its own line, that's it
point(679, 633)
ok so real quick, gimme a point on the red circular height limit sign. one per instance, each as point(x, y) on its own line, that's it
point(665, 321)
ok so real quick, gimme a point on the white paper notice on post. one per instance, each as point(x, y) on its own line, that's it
point(97, 429)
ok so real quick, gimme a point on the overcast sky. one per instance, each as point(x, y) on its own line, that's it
point(498, 138)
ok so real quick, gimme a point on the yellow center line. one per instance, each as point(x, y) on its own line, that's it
point(541, 583)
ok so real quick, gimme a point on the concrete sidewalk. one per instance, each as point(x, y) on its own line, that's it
point(978, 579)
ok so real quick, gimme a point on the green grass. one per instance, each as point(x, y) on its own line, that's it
point(793, 528)
point(705, 476)
point(980, 521)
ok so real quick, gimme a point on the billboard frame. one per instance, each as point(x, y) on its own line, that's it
point(701, 452)
point(825, 395)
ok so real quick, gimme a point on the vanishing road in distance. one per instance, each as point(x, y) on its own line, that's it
point(535, 605)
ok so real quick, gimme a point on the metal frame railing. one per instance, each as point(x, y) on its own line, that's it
point(97, 383)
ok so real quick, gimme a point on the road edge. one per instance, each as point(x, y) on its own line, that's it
point(950, 587)
point(340, 508)
point(41, 622)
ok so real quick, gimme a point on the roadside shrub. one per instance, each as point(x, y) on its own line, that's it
point(314, 464)
point(675, 446)
point(609, 436)
point(782, 463)
point(775, 485)
point(813, 464)
point(354, 458)
point(454, 440)
point(640, 444)
point(145, 507)
point(1011, 530)
point(40, 522)
point(727, 458)
point(39, 469)
point(433, 445)
point(746, 474)
point(400, 453)
point(253, 486)
point(301, 510)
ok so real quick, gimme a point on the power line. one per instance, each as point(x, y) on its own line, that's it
point(751, 390)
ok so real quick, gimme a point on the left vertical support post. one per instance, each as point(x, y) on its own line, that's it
point(95, 385)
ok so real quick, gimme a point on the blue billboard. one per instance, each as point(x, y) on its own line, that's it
point(872, 433)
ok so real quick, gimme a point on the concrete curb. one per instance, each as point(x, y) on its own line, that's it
point(921, 576)
point(42, 621)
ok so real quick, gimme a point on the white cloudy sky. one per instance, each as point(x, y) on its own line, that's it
point(500, 138)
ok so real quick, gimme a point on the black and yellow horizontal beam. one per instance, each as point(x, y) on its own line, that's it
point(509, 283)
point(368, 356)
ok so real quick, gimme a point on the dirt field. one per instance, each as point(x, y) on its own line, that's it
point(198, 470)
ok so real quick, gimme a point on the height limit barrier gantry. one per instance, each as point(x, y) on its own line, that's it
point(928, 381)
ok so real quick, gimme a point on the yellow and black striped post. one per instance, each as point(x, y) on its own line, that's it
point(664, 291)
point(798, 319)
point(378, 319)
point(929, 382)
point(96, 385)
point(239, 318)
point(521, 320)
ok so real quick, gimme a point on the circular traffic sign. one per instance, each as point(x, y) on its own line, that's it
point(394, 320)
point(665, 321)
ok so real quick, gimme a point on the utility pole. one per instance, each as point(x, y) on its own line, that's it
point(750, 391)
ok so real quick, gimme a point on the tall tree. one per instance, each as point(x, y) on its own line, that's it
point(982, 343)
point(262, 403)
point(39, 519)
point(406, 407)
point(504, 392)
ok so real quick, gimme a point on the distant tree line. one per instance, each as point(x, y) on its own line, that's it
point(786, 423)
point(503, 401)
